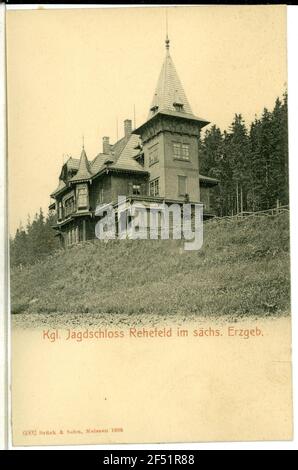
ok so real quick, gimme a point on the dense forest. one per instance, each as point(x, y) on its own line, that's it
point(34, 242)
point(251, 163)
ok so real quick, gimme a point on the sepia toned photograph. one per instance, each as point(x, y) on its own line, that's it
point(148, 194)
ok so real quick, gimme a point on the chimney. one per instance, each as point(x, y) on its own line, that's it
point(127, 127)
point(106, 145)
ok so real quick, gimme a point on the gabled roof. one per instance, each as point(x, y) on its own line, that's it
point(98, 163)
point(83, 172)
point(122, 156)
point(117, 148)
point(73, 163)
point(126, 159)
point(169, 90)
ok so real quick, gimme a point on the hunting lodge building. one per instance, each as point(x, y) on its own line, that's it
point(156, 162)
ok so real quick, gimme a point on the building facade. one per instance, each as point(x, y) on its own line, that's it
point(156, 162)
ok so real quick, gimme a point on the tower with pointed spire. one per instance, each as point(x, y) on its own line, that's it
point(170, 138)
point(158, 161)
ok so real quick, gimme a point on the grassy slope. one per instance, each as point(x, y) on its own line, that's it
point(242, 268)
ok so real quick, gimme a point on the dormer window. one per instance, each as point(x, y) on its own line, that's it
point(178, 103)
point(154, 109)
point(140, 158)
point(178, 106)
point(154, 106)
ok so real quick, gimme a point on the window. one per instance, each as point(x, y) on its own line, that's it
point(69, 206)
point(60, 213)
point(154, 187)
point(185, 151)
point(153, 154)
point(182, 186)
point(82, 197)
point(181, 151)
point(176, 149)
point(136, 189)
point(101, 195)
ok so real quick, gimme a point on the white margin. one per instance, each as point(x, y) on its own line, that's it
point(292, 36)
point(78, 6)
point(3, 240)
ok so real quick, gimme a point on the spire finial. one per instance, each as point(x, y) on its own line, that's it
point(167, 41)
point(83, 142)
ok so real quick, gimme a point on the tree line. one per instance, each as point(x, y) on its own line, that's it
point(35, 241)
point(251, 163)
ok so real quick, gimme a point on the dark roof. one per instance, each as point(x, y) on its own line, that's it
point(98, 163)
point(168, 112)
point(117, 148)
point(123, 159)
point(169, 89)
point(122, 156)
point(126, 158)
point(208, 180)
point(73, 163)
point(84, 172)
point(191, 117)
point(169, 96)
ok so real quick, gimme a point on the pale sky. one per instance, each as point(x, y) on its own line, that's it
point(76, 72)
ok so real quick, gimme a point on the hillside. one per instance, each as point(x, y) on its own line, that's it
point(242, 269)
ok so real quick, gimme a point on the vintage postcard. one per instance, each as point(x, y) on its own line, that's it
point(148, 204)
